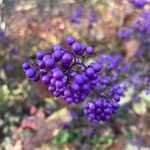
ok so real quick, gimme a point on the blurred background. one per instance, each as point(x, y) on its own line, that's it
point(30, 117)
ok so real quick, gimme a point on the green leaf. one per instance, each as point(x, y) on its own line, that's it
point(106, 139)
point(129, 135)
point(94, 140)
point(62, 138)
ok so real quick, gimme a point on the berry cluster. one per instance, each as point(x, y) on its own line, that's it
point(93, 18)
point(67, 77)
point(108, 89)
point(138, 3)
point(125, 33)
point(77, 15)
point(113, 69)
point(100, 110)
point(141, 32)
point(4, 40)
point(64, 71)
point(117, 91)
point(142, 24)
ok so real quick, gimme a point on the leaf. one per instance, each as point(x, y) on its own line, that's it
point(134, 147)
point(94, 140)
point(4, 92)
point(145, 97)
point(62, 138)
point(107, 140)
point(62, 114)
point(118, 144)
point(7, 145)
point(3, 75)
point(127, 98)
point(140, 108)
point(129, 135)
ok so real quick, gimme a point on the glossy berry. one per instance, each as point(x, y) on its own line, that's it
point(77, 47)
point(96, 67)
point(26, 66)
point(50, 63)
point(30, 73)
point(57, 55)
point(58, 74)
point(90, 72)
point(56, 47)
point(59, 84)
point(89, 50)
point(46, 79)
point(51, 88)
point(70, 40)
point(40, 55)
point(36, 78)
point(41, 64)
point(79, 79)
point(67, 58)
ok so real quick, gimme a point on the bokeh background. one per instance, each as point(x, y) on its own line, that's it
point(30, 117)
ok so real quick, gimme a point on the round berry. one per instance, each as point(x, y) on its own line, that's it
point(36, 78)
point(26, 66)
point(89, 50)
point(78, 79)
point(57, 55)
point(56, 47)
point(41, 64)
point(51, 88)
point(67, 93)
point(69, 100)
point(70, 40)
point(46, 79)
point(75, 87)
point(58, 74)
point(77, 47)
point(90, 72)
point(30, 73)
point(59, 84)
point(96, 67)
point(67, 58)
point(40, 55)
point(50, 63)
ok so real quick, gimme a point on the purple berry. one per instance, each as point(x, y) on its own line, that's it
point(41, 64)
point(26, 66)
point(70, 40)
point(67, 58)
point(31, 73)
point(46, 79)
point(90, 72)
point(77, 47)
point(58, 74)
point(50, 63)
point(40, 55)
point(89, 50)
